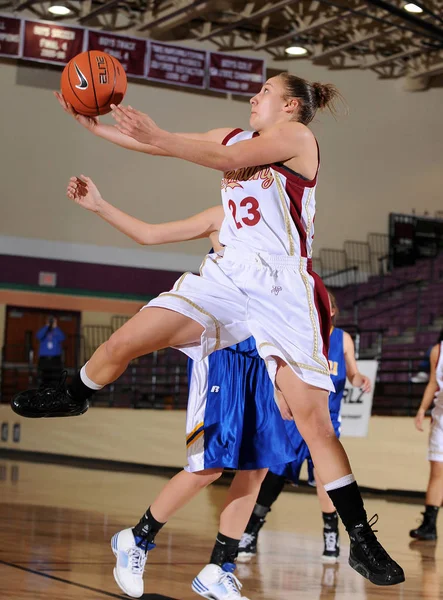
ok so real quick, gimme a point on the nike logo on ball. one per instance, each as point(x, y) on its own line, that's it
point(82, 79)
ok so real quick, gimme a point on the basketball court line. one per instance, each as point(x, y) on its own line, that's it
point(80, 585)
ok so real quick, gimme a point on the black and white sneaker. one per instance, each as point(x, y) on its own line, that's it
point(247, 548)
point(48, 401)
point(331, 550)
point(368, 557)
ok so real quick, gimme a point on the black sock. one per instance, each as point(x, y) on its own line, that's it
point(330, 521)
point(225, 550)
point(349, 504)
point(79, 390)
point(257, 519)
point(270, 490)
point(146, 530)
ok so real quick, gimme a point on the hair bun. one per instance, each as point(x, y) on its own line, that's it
point(324, 93)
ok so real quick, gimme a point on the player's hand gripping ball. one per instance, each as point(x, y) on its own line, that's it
point(92, 81)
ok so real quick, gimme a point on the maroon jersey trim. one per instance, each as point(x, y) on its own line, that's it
point(231, 135)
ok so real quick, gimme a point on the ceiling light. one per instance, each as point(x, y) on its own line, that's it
point(412, 8)
point(59, 9)
point(296, 51)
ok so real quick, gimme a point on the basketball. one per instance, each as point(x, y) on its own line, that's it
point(92, 81)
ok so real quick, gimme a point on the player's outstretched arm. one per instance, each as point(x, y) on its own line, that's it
point(279, 144)
point(356, 378)
point(113, 135)
point(430, 390)
point(85, 193)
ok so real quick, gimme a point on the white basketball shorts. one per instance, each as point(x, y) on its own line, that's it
point(435, 450)
point(277, 299)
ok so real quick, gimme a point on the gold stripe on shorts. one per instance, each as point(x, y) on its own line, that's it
point(197, 437)
point(295, 363)
point(200, 309)
point(191, 433)
point(180, 281)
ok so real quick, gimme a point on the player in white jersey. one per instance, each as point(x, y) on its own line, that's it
point(434, 494)
point(262, 285)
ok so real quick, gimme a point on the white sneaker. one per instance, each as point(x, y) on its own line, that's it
point(216, 584)
point(421, 377)
point(131, 560)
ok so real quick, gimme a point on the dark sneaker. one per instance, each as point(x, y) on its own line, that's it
point(48, 401)
point(247, 548)
point(331, 550)
point(368, 557)
point(426, 531)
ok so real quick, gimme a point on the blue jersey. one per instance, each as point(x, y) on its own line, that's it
point(337, 366)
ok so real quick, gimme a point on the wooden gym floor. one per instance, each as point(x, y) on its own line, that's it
point(56, 523)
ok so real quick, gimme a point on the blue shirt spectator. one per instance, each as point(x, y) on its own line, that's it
point(50, 338)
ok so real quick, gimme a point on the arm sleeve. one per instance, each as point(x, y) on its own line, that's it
point(60, 335)
point(41, 333)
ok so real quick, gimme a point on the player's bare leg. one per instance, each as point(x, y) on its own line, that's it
point(434, 499)
point(149, 330)
point(180, 490)
point(309, 406)
point(131, 546)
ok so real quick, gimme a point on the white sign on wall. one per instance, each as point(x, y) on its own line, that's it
point(356, 406)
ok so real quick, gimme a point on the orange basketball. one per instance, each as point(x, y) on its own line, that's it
point(92, 81)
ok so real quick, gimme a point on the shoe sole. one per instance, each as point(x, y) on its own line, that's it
point(114, 572)
point(30, 415)
point(373, 579)
point(424, 538)
point(329, 560)
point(244, 557)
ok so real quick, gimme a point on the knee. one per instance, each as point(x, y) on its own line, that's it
point(251, 480)
point(206, 477)
point(258, 475)
point(317, 427)
point(118, 347)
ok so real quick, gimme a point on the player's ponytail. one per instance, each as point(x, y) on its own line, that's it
point(312, 96)
point(334, 306)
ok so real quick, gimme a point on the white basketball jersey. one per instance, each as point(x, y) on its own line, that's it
point(269, 208)
point(439, 376)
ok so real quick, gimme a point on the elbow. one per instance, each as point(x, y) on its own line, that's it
point(229, 160)
point(227, 163)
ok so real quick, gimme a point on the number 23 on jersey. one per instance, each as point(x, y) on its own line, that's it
point(253, 212)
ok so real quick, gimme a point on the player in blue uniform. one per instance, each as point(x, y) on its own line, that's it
point(342, 364)
point(231, 422)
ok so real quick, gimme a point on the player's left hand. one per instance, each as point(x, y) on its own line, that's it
point(366, 385)
point(136, 124)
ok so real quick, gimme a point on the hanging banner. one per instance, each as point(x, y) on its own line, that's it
point(51, 43)
point(131, 52)
point(356, 406)
point(176, 64)
point(235, 74)
point(10, 30)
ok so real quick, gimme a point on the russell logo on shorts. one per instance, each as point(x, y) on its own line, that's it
point(276, 289)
